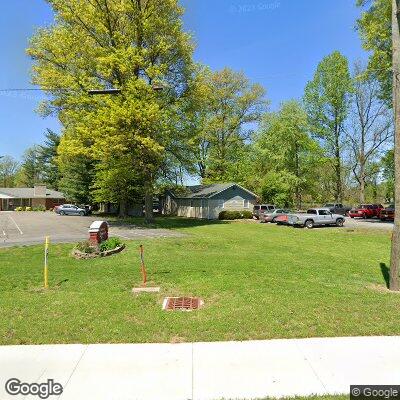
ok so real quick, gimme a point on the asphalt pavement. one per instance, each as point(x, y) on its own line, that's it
point(371, 223)
point(29, 228)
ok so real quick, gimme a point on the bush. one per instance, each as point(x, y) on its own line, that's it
point(247, 215)
point(19, 209)
point(39, 208)
point(231, 215)
point(86, 247)
point(110, 244)
point(28, 208)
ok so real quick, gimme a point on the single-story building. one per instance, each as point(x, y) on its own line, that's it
point(207, 201)
point(11, 198)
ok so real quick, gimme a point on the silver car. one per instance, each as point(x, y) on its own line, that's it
point(271, 215)
point(258, 209)
point(70, 209)
point(316, 217)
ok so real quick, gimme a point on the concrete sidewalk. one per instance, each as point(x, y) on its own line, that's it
point(205, 371)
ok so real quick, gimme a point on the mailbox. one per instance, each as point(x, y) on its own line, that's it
point(98, 232)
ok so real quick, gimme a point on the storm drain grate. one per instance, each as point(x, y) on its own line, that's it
point(182, 303)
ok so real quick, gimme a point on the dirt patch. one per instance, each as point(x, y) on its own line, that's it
point(177, 339)
point(381, 289)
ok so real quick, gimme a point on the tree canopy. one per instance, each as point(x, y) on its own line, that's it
point(375, 27)
point(326, 101)
point(132, 45)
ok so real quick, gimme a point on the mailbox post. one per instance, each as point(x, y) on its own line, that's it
point(98, 232)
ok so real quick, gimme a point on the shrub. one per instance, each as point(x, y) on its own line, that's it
point(110, 244)
point(39, 208)
point(19, 209)
point(86, 247)
point(28, 208)
point(231, 215)
point(247, 214)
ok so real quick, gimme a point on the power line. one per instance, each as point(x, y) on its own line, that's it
point(31, 89)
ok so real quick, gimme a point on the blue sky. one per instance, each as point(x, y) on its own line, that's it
point(277, 43)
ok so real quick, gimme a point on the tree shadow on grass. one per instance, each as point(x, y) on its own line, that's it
point(164, 222)
point(385, 273)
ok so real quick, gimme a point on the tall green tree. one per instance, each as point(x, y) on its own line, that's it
point(47, 158)
point(287, 155)
point(77, 176)
point(370, 126)
point(8, 171)
point(375, 28)
point(31, 168)
point(133, 45)
point(228, 107)
point(326, 100)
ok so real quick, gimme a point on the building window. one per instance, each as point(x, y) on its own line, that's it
point(246, 203)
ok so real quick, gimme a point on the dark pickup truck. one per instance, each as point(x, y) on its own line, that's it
point(337, 208)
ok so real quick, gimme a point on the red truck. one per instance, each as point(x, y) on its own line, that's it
point(366, 211)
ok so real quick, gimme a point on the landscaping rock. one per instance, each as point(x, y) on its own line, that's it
point(84, 256)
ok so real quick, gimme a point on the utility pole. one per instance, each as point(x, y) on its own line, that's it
point(395, 253)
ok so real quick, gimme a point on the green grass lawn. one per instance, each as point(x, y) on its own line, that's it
point(258, 282)
point(333, 397)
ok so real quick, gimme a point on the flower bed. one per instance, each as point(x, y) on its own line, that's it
point(86, 250)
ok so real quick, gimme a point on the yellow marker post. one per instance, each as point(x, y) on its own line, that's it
point(46, 267)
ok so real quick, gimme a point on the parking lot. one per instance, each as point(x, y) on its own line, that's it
point(28, 228)
point(371, 223)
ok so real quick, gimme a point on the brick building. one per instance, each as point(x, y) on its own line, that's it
point(10, 198)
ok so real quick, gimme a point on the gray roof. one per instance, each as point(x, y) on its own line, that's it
point(29, 193)
point(207, 191)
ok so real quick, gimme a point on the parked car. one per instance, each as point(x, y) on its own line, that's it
point(387, 214)
point(366, 211)
point(87, 208)
point(316, 217)
point(337, 208)
point(270, 216)
point(282, 219)
point(70, 209)
point(259, 208)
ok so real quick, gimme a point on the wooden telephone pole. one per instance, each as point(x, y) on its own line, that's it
point(395, 254)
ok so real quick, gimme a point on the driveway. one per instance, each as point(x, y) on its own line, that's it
point(28, 228)
point(372, 223)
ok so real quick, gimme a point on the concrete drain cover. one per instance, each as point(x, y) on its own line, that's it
point(182, 303)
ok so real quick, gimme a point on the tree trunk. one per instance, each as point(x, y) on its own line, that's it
point(362, 182)
point(297, 173)
point(123, 208)
point(395, 254)
point(148, 201)
point(338, 168)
